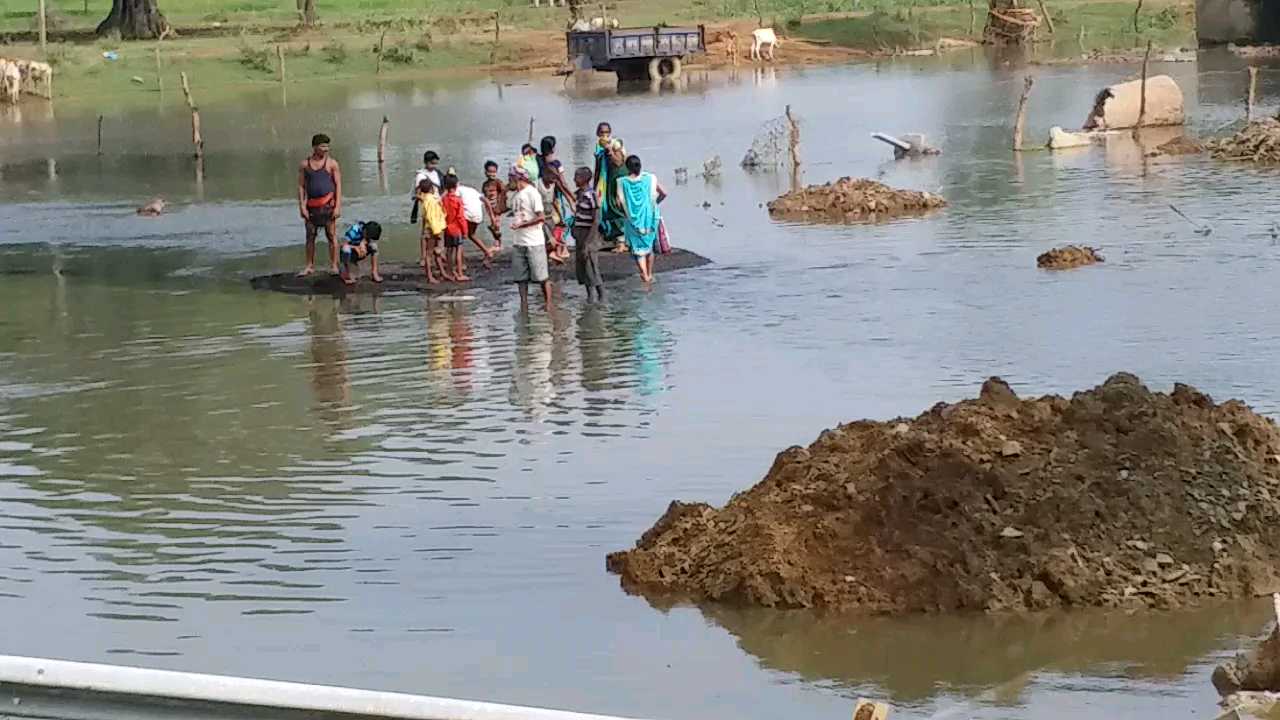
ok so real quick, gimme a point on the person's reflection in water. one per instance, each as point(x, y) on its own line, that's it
point(329, 378)
point(646, 342)
point(461, 357)
point(595, 346)
point(531, 385)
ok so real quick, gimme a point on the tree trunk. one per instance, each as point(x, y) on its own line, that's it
point(133, 20)
point(309, 12)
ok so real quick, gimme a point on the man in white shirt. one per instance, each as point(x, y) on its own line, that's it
point(529, 248)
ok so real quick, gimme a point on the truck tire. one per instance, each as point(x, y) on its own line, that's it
point(664, 68)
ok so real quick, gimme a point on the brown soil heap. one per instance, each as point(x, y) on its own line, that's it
point(1118, 496)
point(1181, 145)
point(1259, 141)
point(849, 200)
point(1068, 257)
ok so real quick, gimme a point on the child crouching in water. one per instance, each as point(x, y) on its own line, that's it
point(360, 242)
point(433, 226)
point(586, 234)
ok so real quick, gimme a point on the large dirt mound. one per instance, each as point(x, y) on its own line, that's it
point(1068, 257)
point(1259, 142)
point(1117, 496)
point(851, 200)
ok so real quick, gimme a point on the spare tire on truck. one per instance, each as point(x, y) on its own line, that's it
point(662, 68)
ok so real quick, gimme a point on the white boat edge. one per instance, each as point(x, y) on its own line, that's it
point(136, 683)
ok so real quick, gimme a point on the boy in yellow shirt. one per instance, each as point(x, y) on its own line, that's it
point(433, 224)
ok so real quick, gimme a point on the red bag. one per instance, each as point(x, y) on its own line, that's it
point(664, 240)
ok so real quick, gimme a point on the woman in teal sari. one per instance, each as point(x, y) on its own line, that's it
point(639, 194)
point(608, 170)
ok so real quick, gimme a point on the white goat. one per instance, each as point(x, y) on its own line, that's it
point(760, 39)
point(10, 82)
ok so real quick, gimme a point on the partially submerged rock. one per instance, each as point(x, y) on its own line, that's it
point(1118, 106)
point(1181, 145)
point(1259, 142)
point(1118, 496)
point(850, 199)
point(1068, 257)
point(154, 208)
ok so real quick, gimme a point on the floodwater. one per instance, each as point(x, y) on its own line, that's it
point(418, 495)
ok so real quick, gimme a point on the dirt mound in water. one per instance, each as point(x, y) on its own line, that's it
point(1067, 257)
point(851, 200)
point(1259, 142)
point(1181, 145)
point(1117, 496)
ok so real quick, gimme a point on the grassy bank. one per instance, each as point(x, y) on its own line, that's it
point(225, 44)
point(1079, 27)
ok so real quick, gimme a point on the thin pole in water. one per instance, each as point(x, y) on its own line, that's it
point(1020, 120)
point(1253, 89)
point(1142, 94)
point(44, 32)
point(99, 134)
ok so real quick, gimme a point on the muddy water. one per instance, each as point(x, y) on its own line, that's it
point(418, 495)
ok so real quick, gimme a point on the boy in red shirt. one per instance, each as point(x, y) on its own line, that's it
point(455, 228)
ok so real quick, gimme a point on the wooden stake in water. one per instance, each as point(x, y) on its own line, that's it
point(497, 35)
point(382, 48)
point(531, 129)
point(44, 32)
point(280, 59)
point(159, 73)
point(1253, 89)
point(1020, 120)
point(196, 138)
point(99, 134)
point(1142, 91)
point(382, 140)
point(793, 138)
point(973, 18)
point(1048, 19)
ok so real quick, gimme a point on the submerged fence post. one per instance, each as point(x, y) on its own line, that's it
point(531, 129)
point(382, 140)
point(159, 71)
point(1142, 95)
point(1020, 120)
point(280, 58)
point(1253, 89)
point(99, 134)
point(44, 32)
point(1048, 19)
point(196, 139)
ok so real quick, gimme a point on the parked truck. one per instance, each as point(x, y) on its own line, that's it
point(633, 54)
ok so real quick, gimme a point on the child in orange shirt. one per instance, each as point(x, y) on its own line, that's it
point(455, 230)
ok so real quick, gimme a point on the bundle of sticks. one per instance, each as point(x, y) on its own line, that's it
point(1008, 24)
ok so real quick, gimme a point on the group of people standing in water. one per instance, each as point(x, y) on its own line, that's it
point(613, 204)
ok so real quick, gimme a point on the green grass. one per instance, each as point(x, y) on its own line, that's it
point(1108, 26)
point(434, 35)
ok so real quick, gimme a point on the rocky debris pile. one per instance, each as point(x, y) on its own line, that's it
point(1068, 257)
point(1259, 142)
point(1118, 496)
point(851, 200)
point(1181, 145)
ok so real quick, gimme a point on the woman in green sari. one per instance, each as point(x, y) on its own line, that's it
point(609, 167)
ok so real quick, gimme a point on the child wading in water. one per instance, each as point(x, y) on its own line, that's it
point(433, 226)
point(455, 230)
point(495, 197)
point(586, 234)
